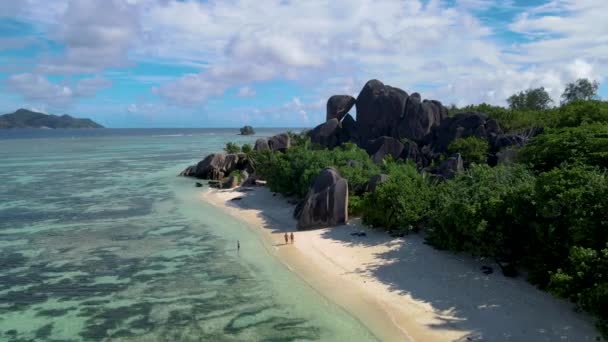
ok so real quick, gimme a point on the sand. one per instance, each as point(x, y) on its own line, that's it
point(403, 289)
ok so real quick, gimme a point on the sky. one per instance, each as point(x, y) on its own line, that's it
point(274, 63)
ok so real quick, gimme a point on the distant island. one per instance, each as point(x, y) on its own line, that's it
point(247, 130)
point(24, 118)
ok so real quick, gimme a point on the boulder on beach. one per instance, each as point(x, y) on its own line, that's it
point(229, 182)
point(212, 167)
point(326, 203)
point(338, 106)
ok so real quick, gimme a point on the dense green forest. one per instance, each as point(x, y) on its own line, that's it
point(544, 210)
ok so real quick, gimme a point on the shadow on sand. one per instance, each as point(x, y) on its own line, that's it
point(485, 307)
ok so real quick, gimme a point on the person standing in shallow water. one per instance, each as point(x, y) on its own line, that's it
point(291, 237)
point(238, 245)
point(286, 239)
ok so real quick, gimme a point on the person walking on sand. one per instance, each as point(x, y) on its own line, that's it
point(286, 239)
point(291, 237)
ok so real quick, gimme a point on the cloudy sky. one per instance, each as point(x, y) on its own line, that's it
point(196, 63)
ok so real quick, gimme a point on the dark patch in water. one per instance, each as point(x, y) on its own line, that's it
point(44, 332)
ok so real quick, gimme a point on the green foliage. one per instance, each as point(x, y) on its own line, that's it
point(299, 139)
point(582, 112)
point(237, 174)
point(247, 149)
point(483, 211)
point(581, 89)
point(587, 144)
point(232, 147)
point(583, 281)
point(292, 172)
point(513, 120)
point(571, 210)
point(355, 205)
point(531, 99)
point(472, 149)
point(401, 202)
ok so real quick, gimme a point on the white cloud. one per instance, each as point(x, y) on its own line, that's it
point(37, 88)
point(246, 92)
point(443, 51)
point(96, 35)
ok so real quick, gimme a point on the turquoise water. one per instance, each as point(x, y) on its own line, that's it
point(99, 240)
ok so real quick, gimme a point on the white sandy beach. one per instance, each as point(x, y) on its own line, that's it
point(403, 289)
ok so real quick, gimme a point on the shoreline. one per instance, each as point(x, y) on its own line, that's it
point(400, 288)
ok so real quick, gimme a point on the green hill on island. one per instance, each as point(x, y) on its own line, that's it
point(24, 118)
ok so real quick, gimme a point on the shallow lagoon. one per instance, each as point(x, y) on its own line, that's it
point(99, 240)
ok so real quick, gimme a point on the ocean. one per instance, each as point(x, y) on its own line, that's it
point(100, 240)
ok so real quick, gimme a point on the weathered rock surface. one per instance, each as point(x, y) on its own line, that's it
point(229, 182)
point(451, 166)
point(216, 165)
point(374, 181)
point(279, 142)
point(261, 145)
point(326, 134)
point(349, 131)
point(326, 203)
point(463, 125)
point(212, 167)
point(189, 171)
point(338, 106)
point(379, 148)
point(379, 109)
point(419, 118)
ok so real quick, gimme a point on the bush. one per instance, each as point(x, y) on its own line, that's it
point(292, 172)
point(402, 202)
point(472, 149)
point(484, 211)
point(587, 144)
point(232, 148)
point(583, 280)
point(572, 210)
point(247, 149)
point(582, 112)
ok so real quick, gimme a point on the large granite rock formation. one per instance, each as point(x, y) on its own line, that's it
point(338, 106)
point(279, 142)
point(379, 109)
point(216, 165)
point(326, 203)
point(464, 125)
point(326, 134)
point(419, 118)
point(379, 148)
point(261, 145)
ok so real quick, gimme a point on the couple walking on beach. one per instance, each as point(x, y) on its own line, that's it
point(287, 237)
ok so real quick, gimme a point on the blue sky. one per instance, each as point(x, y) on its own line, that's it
point(163, 63)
